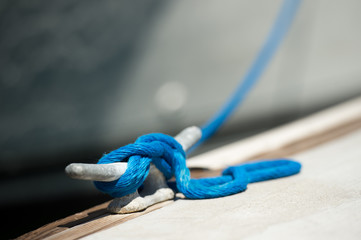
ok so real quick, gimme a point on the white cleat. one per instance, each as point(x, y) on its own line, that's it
point(155, 186)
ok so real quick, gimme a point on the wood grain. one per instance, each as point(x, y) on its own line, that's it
point(66, 223)
point(84, 223)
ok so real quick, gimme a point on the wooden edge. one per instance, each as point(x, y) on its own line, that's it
point(65, 223)
point(103, 222)
point(280, 142)
point(85, 223)
point(298, 135)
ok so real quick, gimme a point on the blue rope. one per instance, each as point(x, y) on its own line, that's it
point(278, 32)
point(168, 155)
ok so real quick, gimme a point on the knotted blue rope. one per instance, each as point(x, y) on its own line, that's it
point(168, 156)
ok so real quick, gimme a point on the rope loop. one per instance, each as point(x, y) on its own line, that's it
point(168, 156)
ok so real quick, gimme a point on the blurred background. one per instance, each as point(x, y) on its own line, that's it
point(80, 78)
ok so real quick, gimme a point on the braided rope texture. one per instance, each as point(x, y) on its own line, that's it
point(168, 156)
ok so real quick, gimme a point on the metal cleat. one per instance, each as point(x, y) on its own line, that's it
point(155, 186)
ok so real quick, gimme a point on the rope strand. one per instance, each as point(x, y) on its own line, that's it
point(275, 37)
point(168, 155)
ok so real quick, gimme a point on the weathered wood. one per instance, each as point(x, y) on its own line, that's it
point(96, 218)
point(66, 223)
point(85, 223)
point(101, 222)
